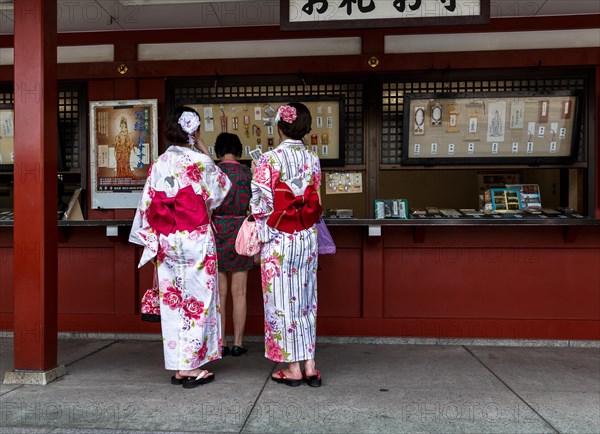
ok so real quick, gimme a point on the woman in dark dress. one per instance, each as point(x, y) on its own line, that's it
point(227, 219)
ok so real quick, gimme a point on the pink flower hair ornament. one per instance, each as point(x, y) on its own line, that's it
point(189, 123)
point(287, 113)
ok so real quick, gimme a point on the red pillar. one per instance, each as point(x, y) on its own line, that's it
point(35, 186)
point(596, 213)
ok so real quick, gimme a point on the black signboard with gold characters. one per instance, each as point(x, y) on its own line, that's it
point(496, 128)
point(252, 119)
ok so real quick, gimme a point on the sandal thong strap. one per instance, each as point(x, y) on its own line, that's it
point(282, 376)
point(203, 378)
point(202, 375)
point(317, 375)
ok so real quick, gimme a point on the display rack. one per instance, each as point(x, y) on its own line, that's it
point(252, 119)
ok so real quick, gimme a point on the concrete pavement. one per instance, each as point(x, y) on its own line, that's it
point(120, 386)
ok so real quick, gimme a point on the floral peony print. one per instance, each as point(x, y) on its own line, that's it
point(193, 308)
point(173, 298)
point(193, 173)
point(273, 350)
point(262, 174)
point(210, 264)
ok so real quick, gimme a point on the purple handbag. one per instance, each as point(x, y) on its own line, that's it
point(326, 244)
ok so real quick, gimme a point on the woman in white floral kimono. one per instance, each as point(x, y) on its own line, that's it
point(286, 205)
point(172, 222)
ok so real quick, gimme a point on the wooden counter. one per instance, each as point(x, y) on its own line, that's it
point(468, 278)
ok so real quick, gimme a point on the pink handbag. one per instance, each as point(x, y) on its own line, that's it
point(247, 242)
point(151, 302)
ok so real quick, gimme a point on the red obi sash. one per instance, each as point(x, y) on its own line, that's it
point(294, 213)
point(183, 212)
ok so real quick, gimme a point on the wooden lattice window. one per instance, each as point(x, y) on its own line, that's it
point(71, 124)
point(69, 129)
point(7, 97)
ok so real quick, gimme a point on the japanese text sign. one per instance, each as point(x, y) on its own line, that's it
point(315, 14)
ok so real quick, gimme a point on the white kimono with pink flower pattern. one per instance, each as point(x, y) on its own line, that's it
point(186, 260)
point(288, 261)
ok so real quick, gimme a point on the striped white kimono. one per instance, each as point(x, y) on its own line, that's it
point(288, 261)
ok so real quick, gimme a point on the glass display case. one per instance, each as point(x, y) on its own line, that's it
point(491, 128)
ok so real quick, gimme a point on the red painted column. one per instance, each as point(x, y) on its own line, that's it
point(597, 145)
point(35, 186)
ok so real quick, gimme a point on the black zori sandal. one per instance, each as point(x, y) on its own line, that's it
point(179, 381)
point(313, 380)
point(205, 377)
point(282, 379)
point(237, 351)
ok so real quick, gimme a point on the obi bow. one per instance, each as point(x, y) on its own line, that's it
point(182, 212)
point(294, 213)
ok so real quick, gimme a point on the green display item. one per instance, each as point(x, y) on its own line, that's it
point(391, 209)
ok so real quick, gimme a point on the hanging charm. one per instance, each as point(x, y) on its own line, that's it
point(247, 126)
point(223, 120)
point(436, 115)
point(419, 119)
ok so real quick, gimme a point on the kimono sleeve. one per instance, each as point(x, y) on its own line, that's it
point(261, 203)
point(316, 174)
point(217, 184)
point(141, 232)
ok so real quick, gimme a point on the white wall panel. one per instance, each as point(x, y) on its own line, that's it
point(75, 54)
point(86, 53)
point(250, 49)
point(7, 56)
point(492, 41)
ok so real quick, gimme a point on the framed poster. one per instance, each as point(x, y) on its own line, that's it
point(252, 119)
point(123, 145)
point(491, 128)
